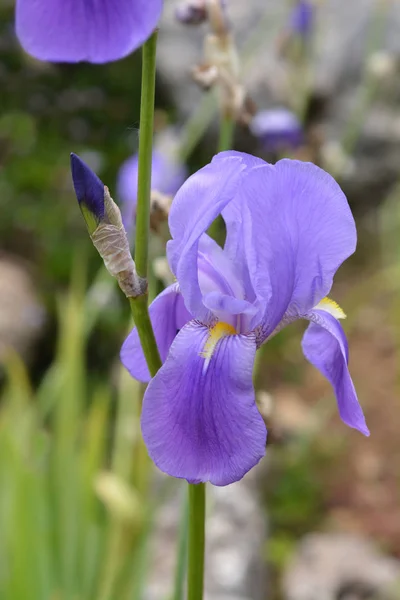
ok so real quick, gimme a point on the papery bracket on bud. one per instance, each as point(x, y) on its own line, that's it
point(111, 242)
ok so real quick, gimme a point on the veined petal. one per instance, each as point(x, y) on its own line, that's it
point(199, 418)
point(97, 31)
point(198, 202)
point(235, 246)
point(203, 196)
point(222, 290)
point(297, 230)
point(168, 315)
point(232, 213)
point(325, 346)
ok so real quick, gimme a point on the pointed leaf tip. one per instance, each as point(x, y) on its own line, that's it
point(89, 189)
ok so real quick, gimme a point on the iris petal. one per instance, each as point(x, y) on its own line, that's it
point(297, 230)
point(168, 314)
point(198, 202)
point(97, 31)
point(325, 346)
point(199, 418)
point(222, 291)
point(232, 213)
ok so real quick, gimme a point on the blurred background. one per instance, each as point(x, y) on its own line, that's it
point(83, 514)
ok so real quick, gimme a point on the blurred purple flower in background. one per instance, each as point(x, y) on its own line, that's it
point(167, 177)
point(196, 12)
point(278, 129)
point(302, 18)
point(289, 228)
point(98, 31)
point(191, 12)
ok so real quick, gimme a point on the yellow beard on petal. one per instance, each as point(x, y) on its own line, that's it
point(215, 334)
point(331, 307)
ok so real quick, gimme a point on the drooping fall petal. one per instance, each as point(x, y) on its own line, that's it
point(325, 346)
point(199, 420)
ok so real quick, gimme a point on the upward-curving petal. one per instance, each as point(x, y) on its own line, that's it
point(96, 31)
point(325, 346)
point(198, 202)
point(232, 213)
point(297, 229)
point(199, 418)
point(168, 315)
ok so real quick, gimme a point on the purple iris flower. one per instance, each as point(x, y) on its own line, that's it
point(167, 176)
point(289, 228)
point(302, 18)
point(278, 129)
point(96, 31)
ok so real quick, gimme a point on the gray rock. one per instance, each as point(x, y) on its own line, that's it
point(340, 567)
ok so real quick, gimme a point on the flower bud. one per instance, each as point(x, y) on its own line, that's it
point(104, 223)
point(89, 191)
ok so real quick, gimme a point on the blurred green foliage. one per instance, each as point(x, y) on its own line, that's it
point(75, 507)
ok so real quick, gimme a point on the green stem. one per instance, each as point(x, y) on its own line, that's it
point(139, 305)
point(226, 131)
point(181, 559)
point(145, 154)
point(141, 317)
point(197, 513)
